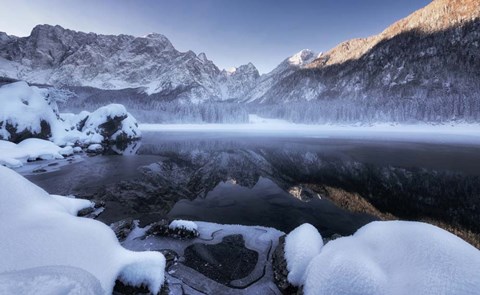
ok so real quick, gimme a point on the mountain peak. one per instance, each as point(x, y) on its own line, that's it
point(437, 16)
point(202, 56)
point(302, 57)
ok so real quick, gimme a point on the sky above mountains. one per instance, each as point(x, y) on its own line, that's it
point(230, 32)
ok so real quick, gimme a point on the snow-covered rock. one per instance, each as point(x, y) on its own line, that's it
point(29, 111)
point(40, 230)
point(301, 246)
point(183, 224)
point(395, 257)
point(112, 123)
point(25, 112)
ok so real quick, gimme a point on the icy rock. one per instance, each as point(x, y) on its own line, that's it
point(123, 228)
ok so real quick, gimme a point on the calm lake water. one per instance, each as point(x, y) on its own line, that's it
point(246, 179)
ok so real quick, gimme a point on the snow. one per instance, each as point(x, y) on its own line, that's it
point(302, 57)
point(15, 155)
point(301, 246)
point(441, 133)
point(183, 224)
point(50, 280)
point(395, 257)
point(41, 230)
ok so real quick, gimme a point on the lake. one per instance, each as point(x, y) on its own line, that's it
point(276, 180)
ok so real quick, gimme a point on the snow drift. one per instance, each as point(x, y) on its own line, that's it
point(41, 231)
point(395, 257)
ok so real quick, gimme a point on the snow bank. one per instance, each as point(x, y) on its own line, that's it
point(28, 111)
point(15, 155)
point(301, 246)
point(395, 257)
point(40, 230)
point(183, 224)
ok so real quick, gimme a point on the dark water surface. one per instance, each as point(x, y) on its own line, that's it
point(241, 179)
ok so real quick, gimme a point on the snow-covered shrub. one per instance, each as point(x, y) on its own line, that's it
point(301, 246)
point(395, 257)
point(39, 230)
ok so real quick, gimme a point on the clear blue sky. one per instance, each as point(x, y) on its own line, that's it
point(230, 32)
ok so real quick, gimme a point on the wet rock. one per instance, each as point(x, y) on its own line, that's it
point(40, 170)
point(122, 289)
point(223, 262)
point(331, 238)
point(170, 256)
point(280, 271)
point(123, 228)
point(92, 212)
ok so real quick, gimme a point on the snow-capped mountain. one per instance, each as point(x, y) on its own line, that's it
point(425, 67)
point(289, 66)
point(57, 56)
point(433, 53)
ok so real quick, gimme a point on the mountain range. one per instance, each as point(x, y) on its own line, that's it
point(431, 55)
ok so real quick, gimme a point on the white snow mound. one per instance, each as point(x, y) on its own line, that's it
point(301, 246)
point(393, 258)
point(15, 155)
point(40, 230)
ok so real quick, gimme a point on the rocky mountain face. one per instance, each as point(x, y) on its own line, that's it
point(57, 56)
point(434, 52)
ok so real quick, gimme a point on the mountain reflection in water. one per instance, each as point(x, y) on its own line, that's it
point(246, 179)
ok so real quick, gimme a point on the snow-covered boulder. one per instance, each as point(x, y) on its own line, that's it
point(395, 257)
point(25, 112)
point(39, 230)
point(301, 246)
point(29, 111)
point(112, 122)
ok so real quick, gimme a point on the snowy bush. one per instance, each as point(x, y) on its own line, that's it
point(395, 257)
point(40, 230)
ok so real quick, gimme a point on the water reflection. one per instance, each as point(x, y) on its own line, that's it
point(190, 175)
